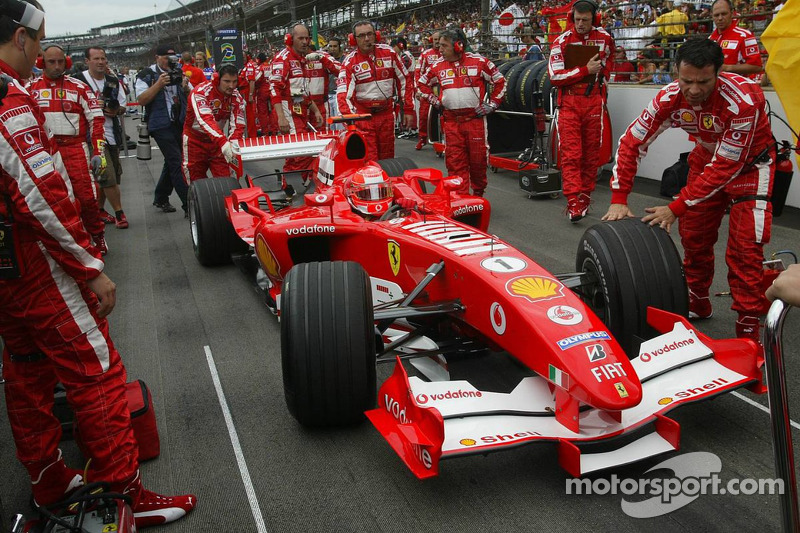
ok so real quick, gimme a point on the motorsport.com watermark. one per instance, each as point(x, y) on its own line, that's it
point(694, 474)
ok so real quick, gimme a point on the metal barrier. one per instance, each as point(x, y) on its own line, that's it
point(779, 414)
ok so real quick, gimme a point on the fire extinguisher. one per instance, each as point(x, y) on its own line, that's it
point(783, 177)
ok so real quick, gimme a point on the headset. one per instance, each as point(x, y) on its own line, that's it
point(596, 19)
point(457, 37)
point(24, 14)
point(40, 59)
point(351, 37)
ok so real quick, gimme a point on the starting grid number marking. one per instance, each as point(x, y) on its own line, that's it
point(237, 447)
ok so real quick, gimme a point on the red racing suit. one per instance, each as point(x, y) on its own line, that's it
point(212, 119)
point(462, 89)
point(266, 119)
point(738, 46)
point(426, 59)
point(72, 113)
point(368, 83)
point(732, 165)
point(290, 92)
point(49, 320)
point(249, 73)
point(580, 115)
point(319, 72)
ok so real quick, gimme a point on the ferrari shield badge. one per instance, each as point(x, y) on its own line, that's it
point(394, 256)
point(708, 122)
point(621, 390)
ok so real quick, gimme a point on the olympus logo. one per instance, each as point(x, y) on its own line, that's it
point(310, 230)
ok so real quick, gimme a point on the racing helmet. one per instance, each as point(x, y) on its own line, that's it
point(369, 190)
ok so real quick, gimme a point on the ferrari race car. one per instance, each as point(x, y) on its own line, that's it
point(593, 358)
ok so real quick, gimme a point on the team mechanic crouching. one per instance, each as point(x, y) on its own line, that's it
point(732, 165)
point(55, 297)
point(73, 114)
point(215, 116)
point(462, 78)
point(367, 83)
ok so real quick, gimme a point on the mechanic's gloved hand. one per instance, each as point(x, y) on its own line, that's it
point(435, 102)
point(484, 109)
point(406, 203)
point(98, 163)
point(313, 56)
point(229, 152)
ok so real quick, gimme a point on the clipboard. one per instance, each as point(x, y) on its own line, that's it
point(578, 55)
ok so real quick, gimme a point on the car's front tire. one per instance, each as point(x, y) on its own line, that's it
point(213, 236)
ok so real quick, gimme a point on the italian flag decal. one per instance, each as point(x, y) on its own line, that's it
point(559, 378)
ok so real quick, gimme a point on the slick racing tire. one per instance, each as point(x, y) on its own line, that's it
point(632, 266)
point(328, 343)
point(396, 166)
point(213, 236)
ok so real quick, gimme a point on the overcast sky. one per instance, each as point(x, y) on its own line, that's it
point(77, 16)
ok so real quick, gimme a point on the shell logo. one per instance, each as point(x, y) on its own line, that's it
point(535, 288)
point(665, 401)
point(687, 116)
point(467, 442)
point(267, 260)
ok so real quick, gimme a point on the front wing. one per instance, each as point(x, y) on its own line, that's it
point(428, 421)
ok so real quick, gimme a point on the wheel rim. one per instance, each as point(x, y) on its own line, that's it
point(193, 225)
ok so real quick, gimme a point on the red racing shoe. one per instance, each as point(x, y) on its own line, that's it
point(421, 142)
point(151, 509)
point(699, 307)
point(748, 327)
point(576, 208)
point(107, 217)
point(100, 242)
point(53, 482)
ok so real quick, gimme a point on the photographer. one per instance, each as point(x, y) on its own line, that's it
point(162, 90)
point(107, 91)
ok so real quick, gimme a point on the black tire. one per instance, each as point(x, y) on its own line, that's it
point(512, 84)
point(528, 85)
point(634, 266)
point(213, 236)
point(328, 343)
point(396, 166)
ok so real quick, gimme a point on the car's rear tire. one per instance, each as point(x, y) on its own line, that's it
point(213, 236)
point(328, 343)
point(396, 166)
point(634, 266)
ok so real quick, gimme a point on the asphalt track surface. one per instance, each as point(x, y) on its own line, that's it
point(196, 335)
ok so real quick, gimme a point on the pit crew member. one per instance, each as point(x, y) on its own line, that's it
point(739, 46)
point(291, 98)
point(372, 76)
point(581, 103)
point(319, 67)
point(55, 298)
point(247, 88)
point(215, 117)
point(73, 114)
point(732, 166)
point(267, 125)
point(426, 59)
point(462, 77)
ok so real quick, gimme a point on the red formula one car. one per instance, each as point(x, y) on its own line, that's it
point(600, 355)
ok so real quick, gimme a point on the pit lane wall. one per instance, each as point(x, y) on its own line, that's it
point(625, 102)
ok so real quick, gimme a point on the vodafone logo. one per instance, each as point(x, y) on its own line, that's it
point(28, 138)
point(321, 198)
point(498, 318)
point(564, 315)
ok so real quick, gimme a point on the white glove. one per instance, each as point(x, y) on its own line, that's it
point(229, 152)
point(313, 56)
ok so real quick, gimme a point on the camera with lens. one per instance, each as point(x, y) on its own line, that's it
point(109, 100)
point(175, 72)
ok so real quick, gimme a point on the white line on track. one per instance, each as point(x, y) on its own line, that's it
point(237, 447)
point(757, 405)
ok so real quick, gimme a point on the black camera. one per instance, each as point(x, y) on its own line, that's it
point(109, 100)
point(175, 72)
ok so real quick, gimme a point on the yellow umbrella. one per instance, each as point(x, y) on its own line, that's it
point(782, 41)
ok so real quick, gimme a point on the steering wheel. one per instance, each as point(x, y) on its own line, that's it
point(391, 213)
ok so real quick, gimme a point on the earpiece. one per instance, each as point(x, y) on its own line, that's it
point(288, 40)
point(596, 19)
point(215, 78)
point(458, 47)
point(21, 40)
point(67, 58)
point(351, 39)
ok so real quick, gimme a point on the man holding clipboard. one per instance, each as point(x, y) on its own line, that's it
point(581, 59)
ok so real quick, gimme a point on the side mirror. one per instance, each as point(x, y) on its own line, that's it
point(452, 184)
point(318, 199)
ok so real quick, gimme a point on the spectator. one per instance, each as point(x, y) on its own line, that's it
point(71, 123)
point(531, 49)
point(106, 89)
point(195, 75)
point(200, 61)
point(732, 166)
point(164, 101)
point(622, 67)
point(672, 26)
point(372, 76)
point(55, 301)
point(463, 78)
point(786, 286)
point(291, 97)
point(739, 46)
point(581, 100)
point(214, 118)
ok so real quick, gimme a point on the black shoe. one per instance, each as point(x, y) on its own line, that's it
point(165, 206)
